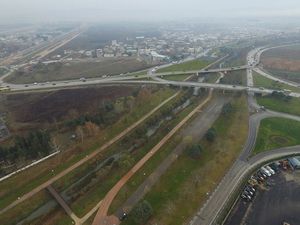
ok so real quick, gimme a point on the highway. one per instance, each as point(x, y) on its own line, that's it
point(208, 214)
point(40, 51)
point(219, 199)
point(245, 164)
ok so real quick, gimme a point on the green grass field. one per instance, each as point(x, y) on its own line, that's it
point(184, 187)
point(211, 78)
point(177, 77)
point(190, 65)
point(292, 106)
point(261, 81)
point(235, 78)
point(277, 132)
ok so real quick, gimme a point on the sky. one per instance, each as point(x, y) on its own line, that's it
point(141, 10)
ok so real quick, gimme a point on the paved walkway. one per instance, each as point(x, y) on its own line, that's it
point(63, 204)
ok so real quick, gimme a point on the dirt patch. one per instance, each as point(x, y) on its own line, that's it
point(282, 64)
point(279, 139)
point(75, 70)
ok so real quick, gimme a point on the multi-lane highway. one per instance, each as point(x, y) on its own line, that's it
point(253, 60)
point(208, 214)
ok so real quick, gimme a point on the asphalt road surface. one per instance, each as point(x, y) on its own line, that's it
point(278, 203)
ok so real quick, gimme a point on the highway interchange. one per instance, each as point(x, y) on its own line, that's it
point(209, 213)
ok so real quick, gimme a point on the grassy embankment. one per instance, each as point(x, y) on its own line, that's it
point(186, 66)
point(291, 106)
point(261, 81)
point(235, 78)
point(276, 133)
point(184, 187)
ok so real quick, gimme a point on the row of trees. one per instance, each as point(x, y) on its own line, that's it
point(37, 144)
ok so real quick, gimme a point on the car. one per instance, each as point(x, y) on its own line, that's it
point(274, 167)
point(270, 170)
point(53, 83)
point(123, 216)
point(261, 174)
point(265, 171)
point(35, 83)
point(249, 198)
point(246, 197)
point(251, 188)
point(250, 192)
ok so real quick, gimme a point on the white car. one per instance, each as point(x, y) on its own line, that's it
point(270, 170)
point(265, 171)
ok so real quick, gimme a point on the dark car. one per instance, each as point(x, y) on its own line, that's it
point(123, 216)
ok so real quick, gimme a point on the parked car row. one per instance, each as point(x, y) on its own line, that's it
point(259, 177)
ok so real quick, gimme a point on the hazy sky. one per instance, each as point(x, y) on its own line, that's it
point(141, 10)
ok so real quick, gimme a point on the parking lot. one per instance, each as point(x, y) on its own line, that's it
point(276, 200)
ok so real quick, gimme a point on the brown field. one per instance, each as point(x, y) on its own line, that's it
point(50, 110)
point(283, 62)
point(58, 105)
point(75, 70)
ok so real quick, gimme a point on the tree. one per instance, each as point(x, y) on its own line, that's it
point(91, 129)
point(79, 133)
point(126, 161)
point(142, 212)
point(227, 109)
point(211, 134)
point(195, 151)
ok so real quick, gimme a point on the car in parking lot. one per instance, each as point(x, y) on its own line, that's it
point(261, 174)
point(265, 171)
point(270, 170)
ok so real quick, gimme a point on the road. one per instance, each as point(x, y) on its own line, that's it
point(254, 58)
point(87, 158)
point(232, 178)
point(40, 51)
point(208, 214)
point(271, 77)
